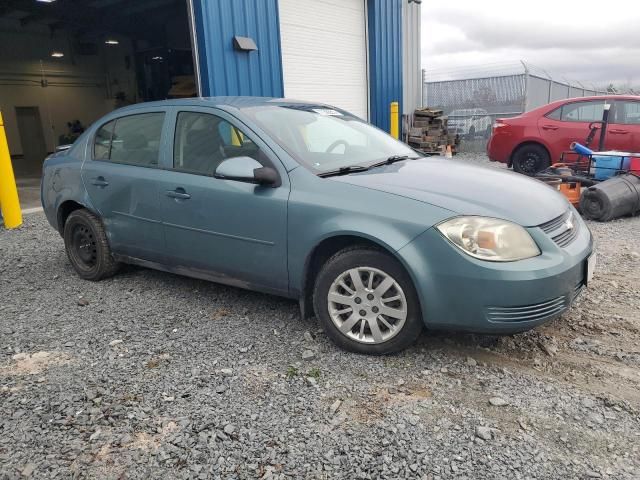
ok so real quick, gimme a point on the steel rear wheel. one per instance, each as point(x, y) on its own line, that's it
point(531, 159)
point(85, 241)
point(84, 247)
point(366, 302)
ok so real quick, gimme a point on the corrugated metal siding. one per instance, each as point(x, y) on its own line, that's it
point(385, 58)
point(411, 57)
point(225, 71)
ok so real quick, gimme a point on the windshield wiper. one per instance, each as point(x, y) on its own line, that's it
point(360, 168)
point(343, 171)
point(393, 159)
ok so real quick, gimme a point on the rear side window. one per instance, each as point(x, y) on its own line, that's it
point(556, 114)
point(102, 142)
point(133, 140)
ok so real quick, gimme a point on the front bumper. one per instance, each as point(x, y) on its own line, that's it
point(459, 292)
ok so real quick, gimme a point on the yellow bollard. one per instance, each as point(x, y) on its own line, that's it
point(394, 128)
point(9, 203)
point(236, 137)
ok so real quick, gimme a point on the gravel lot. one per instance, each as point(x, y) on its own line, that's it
point(151, 375)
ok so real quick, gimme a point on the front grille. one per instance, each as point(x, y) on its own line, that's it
point(563, 229)
point(527, 313)
point(566, 237)
point(577, 291)
point(556, 223)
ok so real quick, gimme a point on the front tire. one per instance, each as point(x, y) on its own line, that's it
point(85, 241)
point(531, 159)
point(366, 302)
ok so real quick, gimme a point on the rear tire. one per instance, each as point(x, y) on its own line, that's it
point(380, 312)
point(88, 250)
point(531, 159)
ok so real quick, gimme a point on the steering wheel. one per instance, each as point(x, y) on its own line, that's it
point(335, 144)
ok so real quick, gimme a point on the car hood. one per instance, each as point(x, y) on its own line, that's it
point(465, 189)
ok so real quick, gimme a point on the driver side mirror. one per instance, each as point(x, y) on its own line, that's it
point(248, 170)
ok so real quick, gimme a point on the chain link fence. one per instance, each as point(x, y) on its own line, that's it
point(473, 103)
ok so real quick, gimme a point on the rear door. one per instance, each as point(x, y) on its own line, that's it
point(231, 231)
point(121, 175)
point(624, 132)
point(570, 123)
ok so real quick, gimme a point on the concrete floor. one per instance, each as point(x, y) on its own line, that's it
point(29, 192)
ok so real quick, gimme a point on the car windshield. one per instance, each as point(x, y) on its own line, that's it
point(326, 139)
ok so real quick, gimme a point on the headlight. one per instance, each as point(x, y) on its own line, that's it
point(489, 238)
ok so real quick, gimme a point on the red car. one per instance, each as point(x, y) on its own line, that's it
point(534, 140)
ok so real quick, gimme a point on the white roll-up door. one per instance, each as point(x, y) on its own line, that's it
point(324, 52)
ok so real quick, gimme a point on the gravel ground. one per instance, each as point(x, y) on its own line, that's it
point(152, 375)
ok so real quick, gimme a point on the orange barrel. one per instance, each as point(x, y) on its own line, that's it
point(571, 190)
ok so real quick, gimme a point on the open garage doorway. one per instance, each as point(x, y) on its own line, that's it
point(65, 63)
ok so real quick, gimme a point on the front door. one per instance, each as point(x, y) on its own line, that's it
point(121, 176)
point(227, 230)
point(624, 132)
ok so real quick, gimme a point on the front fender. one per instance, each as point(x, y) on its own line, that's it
point(321, 208)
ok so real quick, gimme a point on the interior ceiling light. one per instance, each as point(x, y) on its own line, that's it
point(57, 54)
point(111, 41)
point(45, 1)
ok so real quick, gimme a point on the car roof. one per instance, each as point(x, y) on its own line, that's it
point(557, 103)
point(595, 97)
point(221, 102)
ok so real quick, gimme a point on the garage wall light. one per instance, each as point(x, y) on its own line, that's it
point(111, 41)
point(57, 54)
point(158, 58)
point(244, 44)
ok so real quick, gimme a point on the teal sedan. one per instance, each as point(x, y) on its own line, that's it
point(310, 202)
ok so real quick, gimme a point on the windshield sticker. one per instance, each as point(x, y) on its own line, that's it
point(328, 111)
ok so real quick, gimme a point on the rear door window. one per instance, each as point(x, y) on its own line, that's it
point(132, 140)
point(587, 111)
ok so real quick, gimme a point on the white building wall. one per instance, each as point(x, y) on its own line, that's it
point(324, 52)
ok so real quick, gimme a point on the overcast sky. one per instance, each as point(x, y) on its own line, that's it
point(589, 41)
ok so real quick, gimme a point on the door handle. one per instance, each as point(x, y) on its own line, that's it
point(178, 193)
point(618, 131)
point(549, 127)
point(99, 182)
